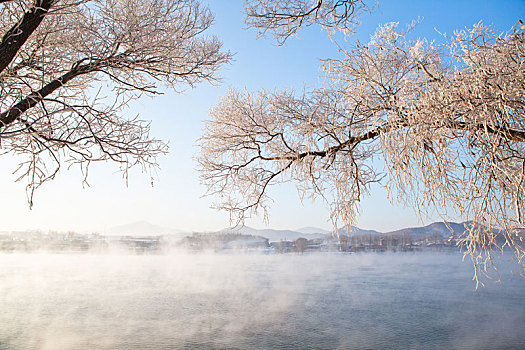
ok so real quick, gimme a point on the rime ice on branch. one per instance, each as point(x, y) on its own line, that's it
point(284, 18)
point(447, 121)
point(58, 58)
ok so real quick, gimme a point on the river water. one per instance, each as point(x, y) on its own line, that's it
point(255, 301)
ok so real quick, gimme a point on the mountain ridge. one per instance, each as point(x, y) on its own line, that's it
point(145, 228)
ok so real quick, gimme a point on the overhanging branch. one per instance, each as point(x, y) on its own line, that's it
point(15, 37)
point(35, 97)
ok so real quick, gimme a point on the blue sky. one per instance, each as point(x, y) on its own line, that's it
point(176, 200)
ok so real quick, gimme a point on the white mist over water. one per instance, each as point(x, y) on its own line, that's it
point(317, 301)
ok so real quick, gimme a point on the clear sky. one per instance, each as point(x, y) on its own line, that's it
point(176, 200)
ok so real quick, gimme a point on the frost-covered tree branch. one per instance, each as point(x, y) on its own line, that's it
point(18, 34)
point(54, 56)
point(284, 18)
point(447, 122)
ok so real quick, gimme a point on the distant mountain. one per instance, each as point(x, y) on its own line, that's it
point(439, 228)
point(273, 235)
point(312, 230)
point(142, 228)
point(353, 230)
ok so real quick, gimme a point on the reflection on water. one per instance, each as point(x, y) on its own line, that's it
point(318, 301)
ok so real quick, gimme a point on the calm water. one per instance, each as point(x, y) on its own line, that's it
point(318, 301)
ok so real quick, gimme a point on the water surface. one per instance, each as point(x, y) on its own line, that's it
point(241, 301)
